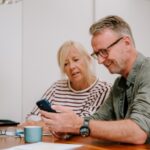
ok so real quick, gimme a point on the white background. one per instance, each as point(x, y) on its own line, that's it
point(31, 33)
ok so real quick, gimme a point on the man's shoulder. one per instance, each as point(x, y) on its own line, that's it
point(145, 66)
point(147, 61)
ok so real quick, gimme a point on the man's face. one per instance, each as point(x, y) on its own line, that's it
point(115, 47)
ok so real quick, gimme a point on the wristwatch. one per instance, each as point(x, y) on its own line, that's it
point(85, 130)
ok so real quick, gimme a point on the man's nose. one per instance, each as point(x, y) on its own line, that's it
point(101, 59)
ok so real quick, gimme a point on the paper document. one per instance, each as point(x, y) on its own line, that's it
point(45, 146)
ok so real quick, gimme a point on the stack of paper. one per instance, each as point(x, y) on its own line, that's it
point(45, 146)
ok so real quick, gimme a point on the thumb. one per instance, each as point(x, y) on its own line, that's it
point(60, 108)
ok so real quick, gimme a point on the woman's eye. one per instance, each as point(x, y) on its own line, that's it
point(65, 64)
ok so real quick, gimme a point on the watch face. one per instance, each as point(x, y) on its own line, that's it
point(84, 131)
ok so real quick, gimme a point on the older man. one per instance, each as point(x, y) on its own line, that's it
point(125, 116)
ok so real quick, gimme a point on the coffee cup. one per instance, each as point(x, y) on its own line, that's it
point(32, 134)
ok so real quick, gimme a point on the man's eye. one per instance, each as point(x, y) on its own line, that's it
point(76, 59)
point(97, 53)
point(103, 51)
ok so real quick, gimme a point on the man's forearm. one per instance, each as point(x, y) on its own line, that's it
point(125, 131)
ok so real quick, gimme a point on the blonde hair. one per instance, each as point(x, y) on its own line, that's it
point(64, 50)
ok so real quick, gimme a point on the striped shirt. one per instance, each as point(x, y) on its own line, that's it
point(83, 103)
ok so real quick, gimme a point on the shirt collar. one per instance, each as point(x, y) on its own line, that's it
point(136, 67)
point(133, 73)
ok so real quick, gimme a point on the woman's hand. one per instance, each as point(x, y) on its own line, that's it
point(35, 123)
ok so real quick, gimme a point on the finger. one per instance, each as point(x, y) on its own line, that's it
point(23, 124)
point(58, 135)
point(60, 108)
point(50, 124)
point(45, 113)
point(48, 121)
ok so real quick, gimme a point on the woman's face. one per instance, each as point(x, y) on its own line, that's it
point(75, 66)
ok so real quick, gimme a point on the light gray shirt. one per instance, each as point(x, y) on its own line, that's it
point(138, 97)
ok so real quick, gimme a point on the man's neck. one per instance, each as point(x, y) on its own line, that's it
point(130, 63)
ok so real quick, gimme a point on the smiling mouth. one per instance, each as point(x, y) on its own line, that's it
point(108, 64)
point(75, 74)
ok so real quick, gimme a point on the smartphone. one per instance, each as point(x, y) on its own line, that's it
point(45, 105)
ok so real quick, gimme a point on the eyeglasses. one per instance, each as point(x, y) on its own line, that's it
point(11, 131)
point(104, 51)
point(3, 132)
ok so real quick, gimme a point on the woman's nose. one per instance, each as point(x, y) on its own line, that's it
point(72, 65)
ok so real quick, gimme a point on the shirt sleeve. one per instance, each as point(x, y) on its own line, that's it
point(139, 110)
point(106, 111)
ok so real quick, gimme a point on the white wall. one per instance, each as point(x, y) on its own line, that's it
point(10, 61)
point(35, 29)
point(46, 25)
point(137, 14)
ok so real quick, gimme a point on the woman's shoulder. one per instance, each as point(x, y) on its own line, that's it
point(101, 86)
point(60, 83)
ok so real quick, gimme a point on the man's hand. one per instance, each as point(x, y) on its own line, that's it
point(65, 120)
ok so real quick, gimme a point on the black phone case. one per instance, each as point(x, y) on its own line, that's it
point(45, 105)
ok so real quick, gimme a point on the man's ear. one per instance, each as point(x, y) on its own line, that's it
point(128, 40)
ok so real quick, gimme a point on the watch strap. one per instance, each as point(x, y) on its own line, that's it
point(85, 130)
point(86, 122)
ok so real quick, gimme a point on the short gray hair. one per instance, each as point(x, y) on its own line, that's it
point(115, 23)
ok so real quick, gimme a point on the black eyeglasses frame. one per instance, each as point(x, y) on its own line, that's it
point(104, 52)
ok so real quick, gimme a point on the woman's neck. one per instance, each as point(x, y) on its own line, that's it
point(83, 84)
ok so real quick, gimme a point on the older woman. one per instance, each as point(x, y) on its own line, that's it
point(80, 89)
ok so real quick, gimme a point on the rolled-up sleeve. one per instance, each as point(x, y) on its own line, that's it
point(140, 108)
